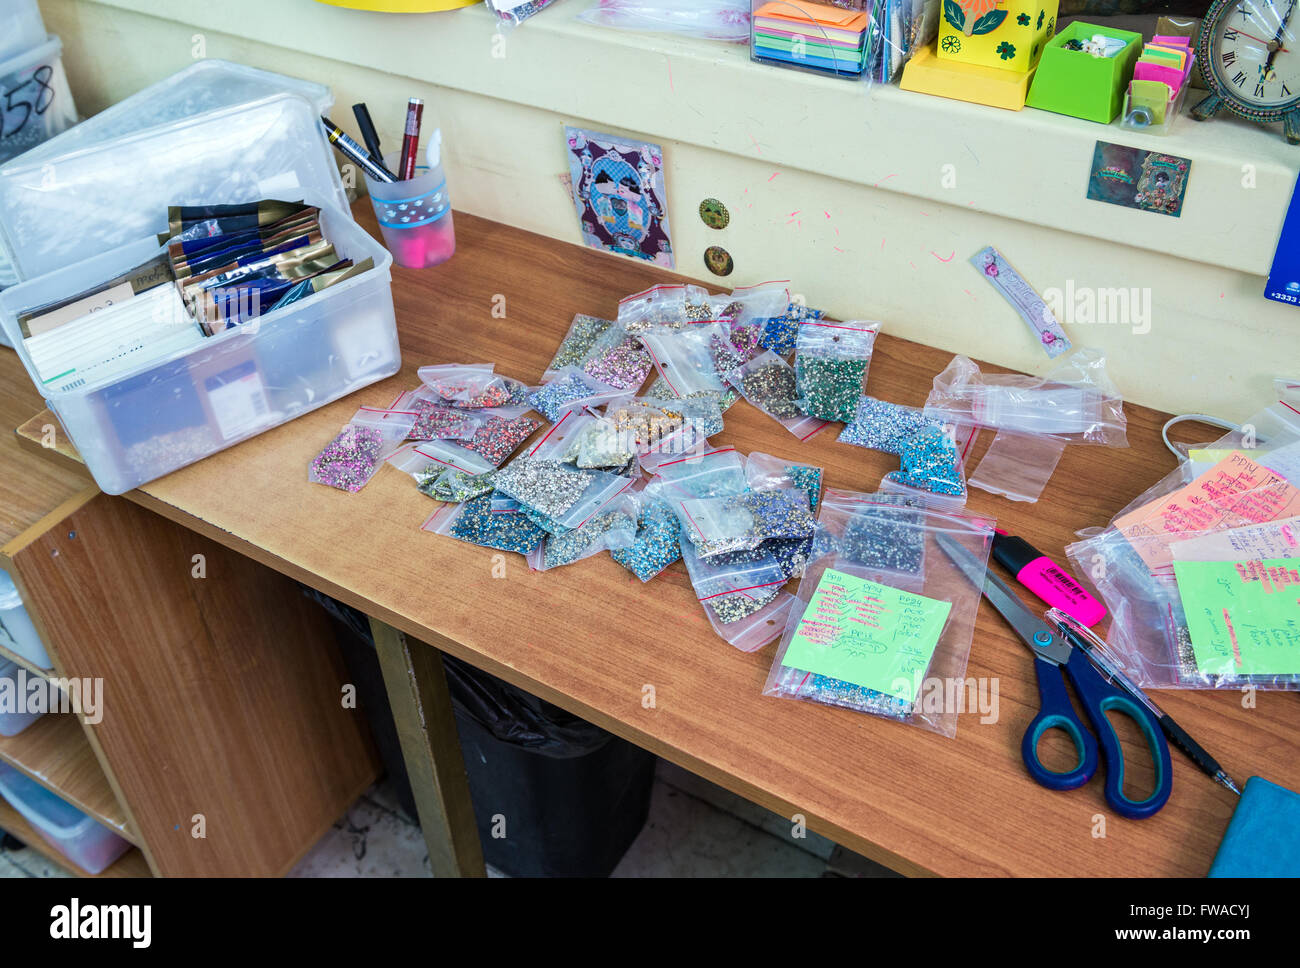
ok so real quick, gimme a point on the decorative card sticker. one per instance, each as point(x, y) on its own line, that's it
point(869, 634)
point(1243, 616)
point(1024, 300)
point(618, 190)
point(1145, 180)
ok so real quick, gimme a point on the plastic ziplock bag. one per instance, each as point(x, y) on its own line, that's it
point(741, 596)
point(830, 364)
point(511, 13)
point(930, 454)
point(685, 357)
point(572, 389)
point(726, 20)
point(769, 383)
point(450, 455)
point(434, 421)
point(474, 522)
point(713, 473)
point(873, 647)
point(663, 307)
point(655, 425)
point(351, 458)
point(436, 478)
point(655, 546)
point(499, 435)
point(470, 386)
point(764, 471)
point(576, 346)
point(1075, 401)
point(881, 536)
point(738, 522)
point(1018, 466)
point(613, 527)
point(780, 332)
point(567, 496)
point(618, 360)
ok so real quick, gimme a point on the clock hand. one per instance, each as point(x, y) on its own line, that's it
point(1268, 64)
point(1261, 40)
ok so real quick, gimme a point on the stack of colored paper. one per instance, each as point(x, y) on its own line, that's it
point(1160, 73)
point(814, 35)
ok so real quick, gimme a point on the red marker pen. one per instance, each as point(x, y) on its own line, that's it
point(1045, 578)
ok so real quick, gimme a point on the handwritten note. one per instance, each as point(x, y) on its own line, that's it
point(1273, 539)
point(869, 634)
point(1237, 491)
point(1243, 616)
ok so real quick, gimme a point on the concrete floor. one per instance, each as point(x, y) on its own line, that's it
point(695, 829)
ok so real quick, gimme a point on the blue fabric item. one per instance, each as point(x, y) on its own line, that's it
point(1263, 836)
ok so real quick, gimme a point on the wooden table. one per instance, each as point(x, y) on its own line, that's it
point(591, 637)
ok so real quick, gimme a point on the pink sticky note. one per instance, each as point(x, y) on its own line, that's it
point(1167, 41)
point(1158, 72)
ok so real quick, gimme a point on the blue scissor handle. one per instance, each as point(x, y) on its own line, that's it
point(1056, 712)
point(1099, 697)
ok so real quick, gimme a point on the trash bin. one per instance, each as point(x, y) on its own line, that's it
point(554, 795)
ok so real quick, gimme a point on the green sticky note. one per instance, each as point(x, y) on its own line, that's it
point(869, 634)
point(1243, 616)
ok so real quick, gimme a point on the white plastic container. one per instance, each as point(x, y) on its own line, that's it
point(79, 837)
point(58, 211)
point(12, 722)
point(17, 633)
point(231, 386)
point(21, 27)
point(35, 100)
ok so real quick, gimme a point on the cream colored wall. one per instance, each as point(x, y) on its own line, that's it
point(870, 203)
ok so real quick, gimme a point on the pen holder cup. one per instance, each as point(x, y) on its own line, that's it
point(415, 217)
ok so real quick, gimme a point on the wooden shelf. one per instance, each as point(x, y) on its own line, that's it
point(55, 752)
point(30, 487)
point(7, 655)
point(130, 864)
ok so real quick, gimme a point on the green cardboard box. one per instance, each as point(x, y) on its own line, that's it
point(1074, 82)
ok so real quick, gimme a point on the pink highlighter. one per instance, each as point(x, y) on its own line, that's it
point(1042, 576)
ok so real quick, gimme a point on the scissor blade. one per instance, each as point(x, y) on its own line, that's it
point(1042, 641)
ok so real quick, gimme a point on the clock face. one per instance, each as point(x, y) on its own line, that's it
point(1254, 53)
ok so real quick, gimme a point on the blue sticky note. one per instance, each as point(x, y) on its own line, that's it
point(1263, 837)
point(1284, 277)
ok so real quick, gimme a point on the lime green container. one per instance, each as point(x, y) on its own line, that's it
point(1074, 82)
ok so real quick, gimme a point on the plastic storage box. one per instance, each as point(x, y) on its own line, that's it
point(233, 385)
point(12, 721)
point(57, 211)
point(80, 838)
point(35, 100)
point(1076, 83)
point(17, 633)
point(21, 27)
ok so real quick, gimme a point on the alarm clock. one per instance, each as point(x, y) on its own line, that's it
point(1250, 55)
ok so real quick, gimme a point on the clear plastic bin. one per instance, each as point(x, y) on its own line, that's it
point(206, 85)
point(17, 633)
point(35, 100)
point(13, 722)
point(233, 385)
point(21, 27)
point(76, 835)
point(1140, 119)
point(58, 211)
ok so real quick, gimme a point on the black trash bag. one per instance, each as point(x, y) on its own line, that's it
point(517, 717)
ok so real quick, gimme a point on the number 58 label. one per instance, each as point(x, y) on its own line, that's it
point(23, 97)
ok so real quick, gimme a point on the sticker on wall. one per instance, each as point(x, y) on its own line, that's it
point(718, 260)
point(618, 190)
point(714, 214)
point(1024, 299)
point(1145, 180)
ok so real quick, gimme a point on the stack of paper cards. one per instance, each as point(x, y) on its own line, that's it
point(108, 342)
point(1160, 73)
point(813, 35)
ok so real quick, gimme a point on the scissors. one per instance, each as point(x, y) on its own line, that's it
point(1057, 656)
